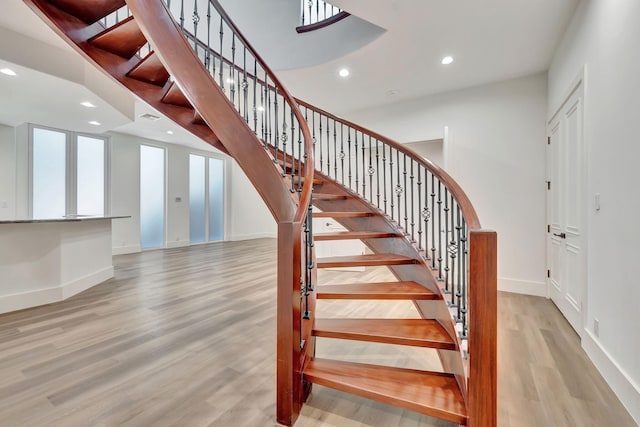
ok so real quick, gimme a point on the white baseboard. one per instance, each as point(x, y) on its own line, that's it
point(251, 236)
point(622, 385)
point(82, 284)
point(123, 250)
point(178, 244)
point(50, 295)
point(526, 287)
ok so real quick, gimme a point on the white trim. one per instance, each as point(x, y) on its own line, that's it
point(251, 236)
point(30, 299)
point(620, 382)
point(123, 250)
point(178, 244)
point(527, 287)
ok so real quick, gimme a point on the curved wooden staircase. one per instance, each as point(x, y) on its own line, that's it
point(172, 69)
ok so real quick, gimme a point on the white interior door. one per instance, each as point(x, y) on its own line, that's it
point(566, 211)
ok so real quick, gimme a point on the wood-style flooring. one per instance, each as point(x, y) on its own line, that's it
point(186, 337)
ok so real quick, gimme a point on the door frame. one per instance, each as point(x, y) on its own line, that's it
point(577, 84)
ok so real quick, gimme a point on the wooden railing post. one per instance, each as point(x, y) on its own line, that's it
point(289, 392)
point(483, 309)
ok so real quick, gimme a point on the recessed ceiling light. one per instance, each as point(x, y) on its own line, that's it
point(447, 60)
point(87, 104)
point(170, 132)
point(93, 122)
point(8, 71)
point(344, 72)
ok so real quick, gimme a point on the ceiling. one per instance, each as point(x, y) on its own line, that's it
point(491, 40)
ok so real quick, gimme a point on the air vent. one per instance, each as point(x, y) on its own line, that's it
point(149, 117)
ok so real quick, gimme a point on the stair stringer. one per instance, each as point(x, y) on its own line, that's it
point(452, 360)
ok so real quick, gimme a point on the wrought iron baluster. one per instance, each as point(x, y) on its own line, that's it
point(452, 249)
point(255, 95)
point(370, 171)
point(221, 76)
point(320, 140)
point(182, 15)
point(355, 139)
point(364, 173)
point(328, 148)
point(195, 18)
point(300, 151)
point(232, 71)
point(378, 175)
point(446, 241)
point(460, 266)
point(245, 85)
point(463, 263)
point(263, 113)
point(439, 230)
point(342, 155)
point(411, 177)
point(405, 193)
point(208, 53)
point(392, 187)
point(349, 151)
point(433, 223)
point(335, 152)
point(422, 211)
point(384, 176)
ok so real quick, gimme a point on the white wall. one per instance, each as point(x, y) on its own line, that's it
point(496, 151)
point(604, 37)
point(7, 172)
point(250, 217)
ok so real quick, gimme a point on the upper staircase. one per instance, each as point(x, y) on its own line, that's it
point(195, 67)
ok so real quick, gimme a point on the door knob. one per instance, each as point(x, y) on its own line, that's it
point(561, 235)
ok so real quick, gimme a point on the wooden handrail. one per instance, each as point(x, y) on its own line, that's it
point(305, 196)
point(324, 23)
point(463, 200)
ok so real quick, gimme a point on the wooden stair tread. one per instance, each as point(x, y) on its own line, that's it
point(89, 11)
point(123, 39)
point(379, 290)
point(326, 196)
point(362, 235)
point(150, 70)
point(174, 96)
point(367, 260)
point(414, 332)
point(431, 393)
point(320, 214)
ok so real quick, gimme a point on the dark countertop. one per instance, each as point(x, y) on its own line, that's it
point(73, 218)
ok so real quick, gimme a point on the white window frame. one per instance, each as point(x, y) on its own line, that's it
point(71, 169)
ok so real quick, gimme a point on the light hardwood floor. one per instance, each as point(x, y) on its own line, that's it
point(186, 337)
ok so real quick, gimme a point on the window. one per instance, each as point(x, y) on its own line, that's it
point(152, 196)
point(68, 173)
point(206, 199)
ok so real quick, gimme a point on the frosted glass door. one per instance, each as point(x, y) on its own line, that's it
point(49, 173)
point(90, 175)
point(216, 199)
point(152, 196)
point(197, 202)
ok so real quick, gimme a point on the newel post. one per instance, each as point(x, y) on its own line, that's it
point(483, 330)
point(289, 390)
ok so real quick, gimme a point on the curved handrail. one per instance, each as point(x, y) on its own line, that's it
point(469, 211)
point(305, 28)
point(305, 196)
